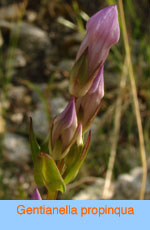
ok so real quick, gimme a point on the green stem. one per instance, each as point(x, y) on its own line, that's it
point(52, 195)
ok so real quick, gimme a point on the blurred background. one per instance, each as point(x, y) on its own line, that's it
point(38, 46)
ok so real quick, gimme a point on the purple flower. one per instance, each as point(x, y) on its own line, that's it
point(64, 128)
point(88, 105)
point(102, 33)
point(36, 195)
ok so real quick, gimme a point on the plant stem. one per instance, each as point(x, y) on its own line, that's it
point(52, 195)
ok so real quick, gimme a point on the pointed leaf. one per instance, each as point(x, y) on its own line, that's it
point(35, 148)
point(46, 173)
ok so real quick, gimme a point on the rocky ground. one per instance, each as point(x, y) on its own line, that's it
point(37, 51)
point(127, 187)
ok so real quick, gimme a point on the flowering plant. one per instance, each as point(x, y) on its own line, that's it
point(57, 162)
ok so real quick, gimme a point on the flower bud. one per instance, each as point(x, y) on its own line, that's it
point(63, 130)
point(79, 140)
point(102, 33)
point(88, 105)
point(36, 195)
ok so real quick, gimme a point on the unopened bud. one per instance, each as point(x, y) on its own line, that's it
point(88, 105)
point(63, 130)
point(102, 33)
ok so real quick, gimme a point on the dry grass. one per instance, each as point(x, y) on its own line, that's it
point(135, 100)
point(115, 135)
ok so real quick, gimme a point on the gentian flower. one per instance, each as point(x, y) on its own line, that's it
point(88, 106)
point(102, 33)
point(64, 131)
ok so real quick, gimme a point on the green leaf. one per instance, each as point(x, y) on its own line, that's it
point(35, 148)
point(38, 175)
point(75, 159)
point(46, 173)
point(45, 147)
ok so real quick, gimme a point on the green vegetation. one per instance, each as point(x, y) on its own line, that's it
point(35, 68)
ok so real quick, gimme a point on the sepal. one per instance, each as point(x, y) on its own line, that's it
point(75, 159)
point(47, 174)
point(78, 77)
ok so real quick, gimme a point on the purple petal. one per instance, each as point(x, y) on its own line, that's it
point(98, 83)
point(89, 103)
point(102, 32)
point(36, 195)
point(68, 116)
point(104, 24)
point(82, 47)
point(64, 125)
